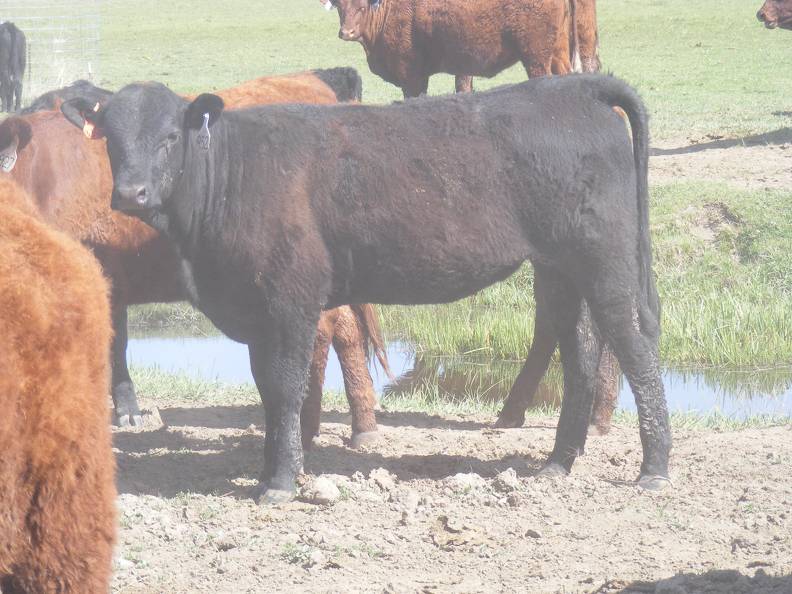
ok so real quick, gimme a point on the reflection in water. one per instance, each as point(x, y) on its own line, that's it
point(734, 393)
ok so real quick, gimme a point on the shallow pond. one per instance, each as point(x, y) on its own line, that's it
point(735, 393)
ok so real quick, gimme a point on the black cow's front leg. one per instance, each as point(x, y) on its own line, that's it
point(280, 367)
point(580, 348)
point(127, 412)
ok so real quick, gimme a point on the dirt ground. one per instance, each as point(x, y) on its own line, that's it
point(448, 504)
point(753, 162)
point(451, 505)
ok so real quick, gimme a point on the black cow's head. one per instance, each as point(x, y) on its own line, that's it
point(352, 14)
point(149, 130)
point(776, 13)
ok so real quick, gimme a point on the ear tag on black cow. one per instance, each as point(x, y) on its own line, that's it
point(8, 157)
point(204, 137)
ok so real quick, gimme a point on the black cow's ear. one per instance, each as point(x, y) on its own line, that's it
point(85, 115)
point(203, 103)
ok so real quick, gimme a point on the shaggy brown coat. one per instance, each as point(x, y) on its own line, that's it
point(57, 495)
point(70, 183)
point(407, 41)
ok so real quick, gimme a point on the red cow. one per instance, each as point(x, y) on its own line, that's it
point(407, 41)
point(776, 13)
point(57, 493)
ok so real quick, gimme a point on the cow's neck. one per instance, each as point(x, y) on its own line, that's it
point(198, 196)
point(374, 24)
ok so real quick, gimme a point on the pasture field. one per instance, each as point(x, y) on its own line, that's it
point(443, 502)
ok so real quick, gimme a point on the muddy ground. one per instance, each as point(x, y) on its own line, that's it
point(451, 505)
point(448, 504)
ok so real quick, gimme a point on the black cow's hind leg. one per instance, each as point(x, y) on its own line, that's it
point(580, 352)
point(280, 367)
point(127, 412)
point(633, 332)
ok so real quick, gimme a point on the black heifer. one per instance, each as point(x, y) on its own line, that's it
point(12, 65)
point(279, 212)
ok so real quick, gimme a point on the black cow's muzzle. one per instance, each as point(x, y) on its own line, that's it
point(132, 197)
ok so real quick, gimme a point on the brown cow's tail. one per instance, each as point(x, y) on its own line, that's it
point(372, 334)
point(345, 82)
point(574, 43)
point(616, 93)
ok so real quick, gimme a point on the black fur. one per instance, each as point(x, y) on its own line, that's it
point(298, 208)
point(13, 57)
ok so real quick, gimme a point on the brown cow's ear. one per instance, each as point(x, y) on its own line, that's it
point(16, 129)
point(15, 134)
point(85, 115)
point(205, 103)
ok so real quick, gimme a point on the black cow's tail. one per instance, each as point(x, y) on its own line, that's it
point(345, 82)
point(618, 94)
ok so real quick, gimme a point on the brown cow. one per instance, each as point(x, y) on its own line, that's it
point(407, 41)
point(583, 43)
point(776, 13)
point(57, 493)
point(70, 182)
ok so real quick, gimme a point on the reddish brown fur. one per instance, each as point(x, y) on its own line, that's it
point(587, 35)
point(776, 13)
point(406, 41)
point(70, 183)
point(57, 495)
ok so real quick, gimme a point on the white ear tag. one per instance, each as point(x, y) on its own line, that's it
point(328, 5)
point(204, 138)
point(8, 157)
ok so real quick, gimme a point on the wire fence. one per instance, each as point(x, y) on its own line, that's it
point(63, 41)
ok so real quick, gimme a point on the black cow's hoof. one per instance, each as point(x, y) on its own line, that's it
point(509, 421)
point(126, 421)
point(276, 497)
point(553, 469)
point(364, 438)
point(653, 482)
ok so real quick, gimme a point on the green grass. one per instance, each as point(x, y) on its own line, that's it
point(170, 389)
point(702, 67)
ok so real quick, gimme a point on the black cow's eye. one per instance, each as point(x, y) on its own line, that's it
point(173, 137)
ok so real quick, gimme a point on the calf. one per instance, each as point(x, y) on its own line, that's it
point(776, 13)
point(57, 495)
point(278, 212)
point(70, 183)
point(406, 41)
point(13, 48)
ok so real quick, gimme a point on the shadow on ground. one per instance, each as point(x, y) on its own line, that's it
point(186, 456)
point(716, 581)
point(780, 136)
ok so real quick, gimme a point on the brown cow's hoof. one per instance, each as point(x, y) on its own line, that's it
point(599, 430)
point(553, 469)
point(653, 482)
point(276, 497)
point(365, 438)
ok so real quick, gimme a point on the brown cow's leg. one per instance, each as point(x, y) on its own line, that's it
point(544, 344)
point(312, 406)
point(349, 342)
point(415, 86)
point(463, 84)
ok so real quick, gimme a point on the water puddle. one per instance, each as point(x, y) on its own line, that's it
point(735, 393)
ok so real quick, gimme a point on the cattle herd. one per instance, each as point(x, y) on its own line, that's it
point(282, 209)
